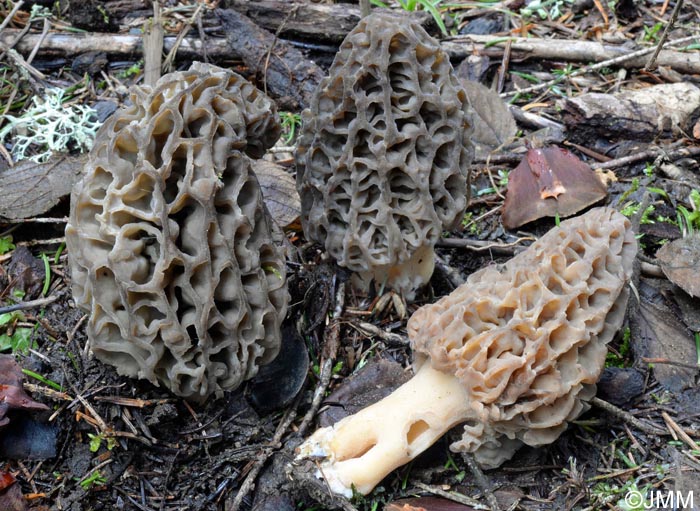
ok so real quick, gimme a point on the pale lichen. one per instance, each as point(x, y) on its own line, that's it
point(49, 126)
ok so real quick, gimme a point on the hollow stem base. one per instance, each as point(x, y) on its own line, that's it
point(362, 449)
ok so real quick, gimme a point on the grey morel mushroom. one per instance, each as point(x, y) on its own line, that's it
point(171, 248)
point(513, 354)
point(384, 153)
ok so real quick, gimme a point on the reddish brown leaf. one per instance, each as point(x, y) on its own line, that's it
point(11, 498)
point(12, 395)
point(6, 480)
point(548, 182)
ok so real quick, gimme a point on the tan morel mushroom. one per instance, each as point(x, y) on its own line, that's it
point(384, 152)
point(514, 354)
point(171, 248)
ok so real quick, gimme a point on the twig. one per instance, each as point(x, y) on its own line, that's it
point(672, 426)
point(47, 392)
point(31, 304)
point(36, 220)
point(626, 416)
point(674, 15)
point(95, 469)
point(533, 120)
point(452, 275)
point(390, 338)
point(648, 155)
point(153, 47)
point(451, 495)
point(365, 8)
point(666, 361)
point(481, 481)
point(503, 68)
point(195, 18)
point(9, 17)
point(44, 33)
point(331, 345)
point(519, 44)
point(651, 270)
point(481, 246)
point(249, 481)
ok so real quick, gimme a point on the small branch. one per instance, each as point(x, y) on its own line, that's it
point(481, 481)
point(674, 15)
point(365, 8)
point(11, 15)
point(677, 430)
point(249, 481)
point(153, 47)
point(331, 345)
point(452, 275)
point(567, 50)
point(170, 58)
point(451, 495)
point(390, 338)
point(650, 154)
point(31, 304)
point(626, 417)
point(481, 246)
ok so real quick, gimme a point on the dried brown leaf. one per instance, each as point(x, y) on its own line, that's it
point(376, 380)
point(12, 395)
point(494, 125)
point(659, 334)
point(279, 192)
point(11, 498)
point(548, 182)
point(680, 261)
point(30, 189)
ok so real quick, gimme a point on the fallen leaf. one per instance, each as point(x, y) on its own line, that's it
point(426, 504)
point(494, 125)
point(12, 394)
point(11, 498)
point(620, 385)
point(6, 480)
point(548, 182)
point(30, 189)
point(279, 192)
point(680, 262)
point(656, 333)
point(25, 273)
point(689, 309)
point(376, 380)
point(277, 383)
point(27, 439)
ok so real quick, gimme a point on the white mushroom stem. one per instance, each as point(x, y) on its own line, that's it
point(404, 278)
point(362, 449)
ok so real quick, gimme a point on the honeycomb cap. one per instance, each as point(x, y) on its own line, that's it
point(528, 339)
point(384, 153)
point(170, 246)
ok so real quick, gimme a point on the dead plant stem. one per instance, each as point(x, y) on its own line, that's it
point(596, 67)
point(326, 372)
point(672, 20)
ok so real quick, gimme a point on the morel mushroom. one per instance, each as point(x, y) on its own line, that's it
point(171, 247)
point(383, 157)
point(514, 353)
